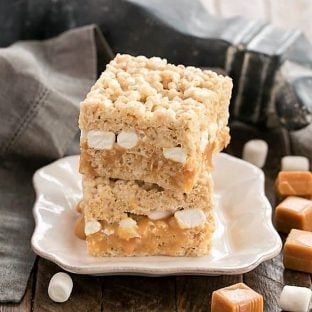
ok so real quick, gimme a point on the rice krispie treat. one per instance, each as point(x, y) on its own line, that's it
point(112, 200)
point(147, 120)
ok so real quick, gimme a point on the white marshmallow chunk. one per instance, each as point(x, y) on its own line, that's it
point(60, 287)
point(255, 152)
point(128, 229)
point(190, 218)
point(92, 227)
point(102, 140)
point(158, 215)
point(295, 299)
point(295, 163)
point(127, 139)
point(127, 223)
point(175, 153)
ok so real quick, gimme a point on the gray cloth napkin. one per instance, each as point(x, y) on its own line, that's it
point(41, 86)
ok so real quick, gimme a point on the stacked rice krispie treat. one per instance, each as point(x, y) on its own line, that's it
point(149, 130)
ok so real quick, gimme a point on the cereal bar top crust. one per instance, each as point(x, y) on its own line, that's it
point(144, 93)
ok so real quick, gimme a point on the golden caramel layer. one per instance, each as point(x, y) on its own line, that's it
point(148, 237)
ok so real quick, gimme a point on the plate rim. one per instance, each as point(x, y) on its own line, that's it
point(152, 270)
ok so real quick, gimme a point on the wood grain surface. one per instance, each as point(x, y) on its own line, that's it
point(86, 295)
point(194, 292)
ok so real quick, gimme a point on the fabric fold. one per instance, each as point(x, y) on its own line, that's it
point(41, 86)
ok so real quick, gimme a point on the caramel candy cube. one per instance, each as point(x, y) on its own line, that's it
point(295, 183)
point(294, 213)
point(238, 297)
point(297, 253)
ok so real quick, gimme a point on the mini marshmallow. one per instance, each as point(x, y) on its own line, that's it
point(92, 227)
point(175, 153)
point(128, 229)
point(158, 215)
point(102, 140)
point(255, 152)
point(295, 163)
point(127, 223)
point(60, 287)
point(127, 139)
point(295, 299)
point(190, 218)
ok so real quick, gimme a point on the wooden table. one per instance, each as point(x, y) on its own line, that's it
point(174, 293)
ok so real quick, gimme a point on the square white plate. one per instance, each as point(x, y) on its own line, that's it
point(244, 237)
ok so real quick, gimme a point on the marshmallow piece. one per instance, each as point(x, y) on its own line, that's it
point(158, 215)
point(295, 299)
point(175, 153)
point(128, 229)
point(127, 223)
point(102, 140)
point(255, 152)
point(203, 141)
point(295, 163)
point(92, 227)
point(190, 218)
point(60, 287)
point(127, 139)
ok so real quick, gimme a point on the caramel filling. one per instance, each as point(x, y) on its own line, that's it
point(79, 207)
point(150, 236)
point(79, 228)
point(183, 178)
